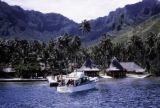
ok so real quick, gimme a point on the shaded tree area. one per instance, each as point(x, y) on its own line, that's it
point(35, 58)
point(62, 55)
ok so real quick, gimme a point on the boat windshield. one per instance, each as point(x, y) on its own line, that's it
point(70, 81)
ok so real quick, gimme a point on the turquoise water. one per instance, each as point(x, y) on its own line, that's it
point(121, 93)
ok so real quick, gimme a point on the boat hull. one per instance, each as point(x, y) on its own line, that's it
point(71, 89)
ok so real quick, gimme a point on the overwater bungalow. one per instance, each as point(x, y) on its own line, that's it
point(89, 68)
point(115, 69)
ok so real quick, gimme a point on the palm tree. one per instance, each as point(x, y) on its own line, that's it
point(150, 43)
point(119, 51)
point(157, 46)
point(137, 48)
point(74, 47)
point(85, 28)
point(96, 54)
point(106, 48)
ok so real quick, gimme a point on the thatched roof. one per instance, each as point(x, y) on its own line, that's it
point(115, 65)
point(132, 67)
point(88, 66)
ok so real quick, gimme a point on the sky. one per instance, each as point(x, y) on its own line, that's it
point(76, 10)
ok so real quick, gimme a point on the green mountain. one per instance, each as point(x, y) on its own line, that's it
point(150, 25)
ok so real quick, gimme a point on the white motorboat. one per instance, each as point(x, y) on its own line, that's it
point(75, 82)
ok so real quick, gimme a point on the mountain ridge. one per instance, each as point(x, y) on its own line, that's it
point(142, 30)
point(16, 22)
point(25, 22)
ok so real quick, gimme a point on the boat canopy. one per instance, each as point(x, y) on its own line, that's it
point(9, 70)
point(76, 75)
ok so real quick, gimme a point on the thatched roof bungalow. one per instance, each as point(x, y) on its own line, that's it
point(115, 69)
point(89, 68)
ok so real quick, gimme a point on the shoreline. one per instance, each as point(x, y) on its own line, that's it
point(21, 80)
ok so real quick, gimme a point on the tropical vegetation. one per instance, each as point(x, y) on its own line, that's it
point(61, 55)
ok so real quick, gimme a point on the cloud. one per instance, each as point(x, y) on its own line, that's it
point(76, 10)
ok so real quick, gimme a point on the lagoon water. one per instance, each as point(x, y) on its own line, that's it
point(120, 93)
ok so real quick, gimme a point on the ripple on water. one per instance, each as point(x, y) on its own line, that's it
point(120, 93)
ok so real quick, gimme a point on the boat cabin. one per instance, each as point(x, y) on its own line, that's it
point(74, 79)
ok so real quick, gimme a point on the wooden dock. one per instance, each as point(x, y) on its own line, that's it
point(21, 80)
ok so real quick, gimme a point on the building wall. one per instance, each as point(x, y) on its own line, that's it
point(116, 74)
point(91, 73)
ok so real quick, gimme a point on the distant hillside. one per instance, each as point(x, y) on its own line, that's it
point(19, 23)
point(150, 25)
point(16, 22)
point(125, 18)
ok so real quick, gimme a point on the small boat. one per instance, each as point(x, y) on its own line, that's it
point(53, 82)
point(75, 82)
point(96, 79)
point(106, 76)
point(138, 75)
